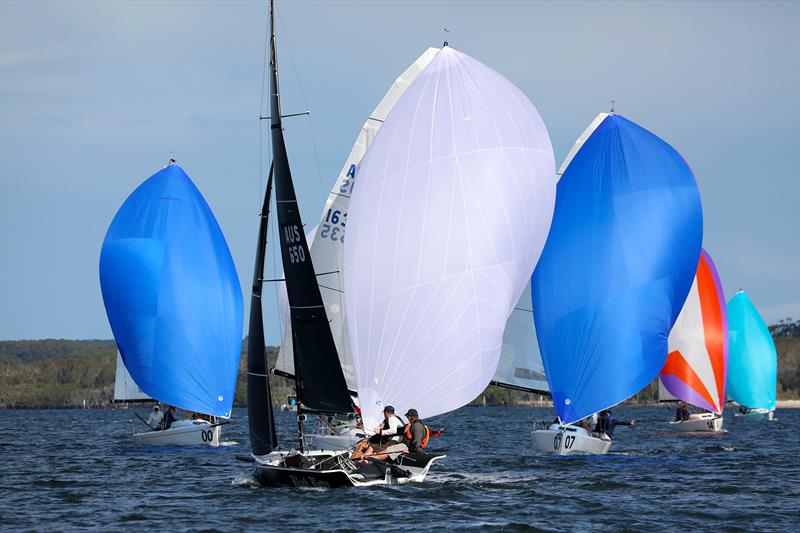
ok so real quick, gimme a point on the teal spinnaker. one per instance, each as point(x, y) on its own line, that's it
point(752, 359)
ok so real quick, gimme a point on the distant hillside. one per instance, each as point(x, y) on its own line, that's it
point(64, 373)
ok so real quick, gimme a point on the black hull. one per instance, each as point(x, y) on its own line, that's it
point(271, 476)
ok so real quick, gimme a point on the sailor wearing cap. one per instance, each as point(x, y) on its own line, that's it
point(390, 430)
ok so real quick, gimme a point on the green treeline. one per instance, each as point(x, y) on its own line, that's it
point(64, 373)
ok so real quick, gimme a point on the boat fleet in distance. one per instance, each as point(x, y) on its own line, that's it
point(468, 260)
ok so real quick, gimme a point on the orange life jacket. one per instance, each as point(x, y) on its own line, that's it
point(410, 435)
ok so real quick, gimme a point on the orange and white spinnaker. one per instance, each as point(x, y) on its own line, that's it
point(697, 363)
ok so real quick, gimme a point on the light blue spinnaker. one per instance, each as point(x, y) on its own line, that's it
point(752, 359)
point(618, 264)
point(172, 295)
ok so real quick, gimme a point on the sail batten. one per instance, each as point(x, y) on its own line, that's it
point(452, 207)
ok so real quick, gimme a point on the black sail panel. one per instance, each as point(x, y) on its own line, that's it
point(263, 438)
point(320, 381)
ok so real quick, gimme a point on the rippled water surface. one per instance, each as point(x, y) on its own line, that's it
point(65, 470)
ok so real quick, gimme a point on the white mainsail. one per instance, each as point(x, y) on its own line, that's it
point(520, 365)
point(125, 389)
point(327, 239)
point(453, 205)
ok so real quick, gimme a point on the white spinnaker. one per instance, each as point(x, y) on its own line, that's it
point(453, 205)
point(520, 364)
point(688, 336)
point(328, 239)
point(125, 389)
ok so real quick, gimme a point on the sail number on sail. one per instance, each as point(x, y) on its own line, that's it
point(333, 226)
point(297, 254)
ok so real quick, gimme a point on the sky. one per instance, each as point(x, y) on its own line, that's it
point(96, 96)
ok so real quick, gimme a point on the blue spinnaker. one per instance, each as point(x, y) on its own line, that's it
point(172, 295)
point(618, 264)
point(752, 359)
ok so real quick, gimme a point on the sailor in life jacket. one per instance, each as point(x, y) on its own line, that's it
point(390, 431)
point(416, 434)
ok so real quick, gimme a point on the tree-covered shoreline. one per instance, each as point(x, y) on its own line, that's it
point(60, 373)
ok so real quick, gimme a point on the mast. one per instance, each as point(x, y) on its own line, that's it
point(263, 438)
point(319, 379)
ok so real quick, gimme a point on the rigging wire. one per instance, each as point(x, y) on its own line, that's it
point(305, 103)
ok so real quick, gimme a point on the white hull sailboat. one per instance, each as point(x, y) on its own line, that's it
point(756, 415)
point(569, 440)
point(612, 277)
point(182, 433)
point(698, 422)
point(182, 351)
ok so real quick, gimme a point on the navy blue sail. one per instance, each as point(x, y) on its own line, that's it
point(172, 295)
point(618, 264)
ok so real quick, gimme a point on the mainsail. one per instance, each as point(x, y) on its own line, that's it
point(125, 389)
point(172, 295)
point(451, 209)
point(327, 239)
point(263, 437)
point(698, 344)
point(753, 361)
point(618, 264)
point(318, 374)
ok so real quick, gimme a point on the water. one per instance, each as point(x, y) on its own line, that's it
point(77, 469)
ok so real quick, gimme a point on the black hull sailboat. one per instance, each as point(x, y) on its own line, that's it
point(319, 380)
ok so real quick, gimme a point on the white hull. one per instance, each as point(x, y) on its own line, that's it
point(708, 422)
point(182, 433)
point(755, 414)
point(569, 440)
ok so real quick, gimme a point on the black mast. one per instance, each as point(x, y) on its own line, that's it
point(263, 438)
point(319, 378)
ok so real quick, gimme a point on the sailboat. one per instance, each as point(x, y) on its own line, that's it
point(326, 242)
point(174, 304)
point(752, 363)
point(617, 267)
point(698, 353)
point(479, 128)
point(125, 388)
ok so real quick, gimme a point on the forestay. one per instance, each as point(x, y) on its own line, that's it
point(753, 361)
point(125, 389)
point(698, 344)
point(172, 295)
point(327, 239)
point(452, 207)
point(619, 262)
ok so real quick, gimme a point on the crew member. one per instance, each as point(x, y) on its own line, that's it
point(155, 417)
point(169, 418)
point(390, 430)
point(682, 412)
point(607, 423)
